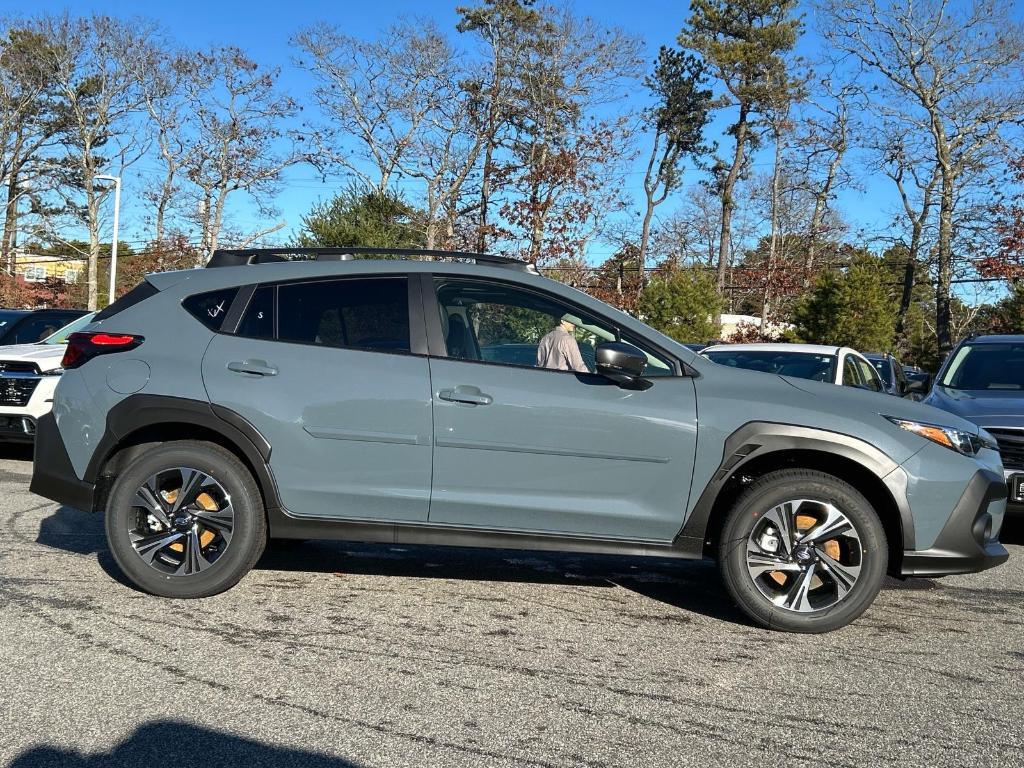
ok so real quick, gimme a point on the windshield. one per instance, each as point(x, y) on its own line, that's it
point(883, 368)
point(802, 365)
point(61, 336)
point(986, 367)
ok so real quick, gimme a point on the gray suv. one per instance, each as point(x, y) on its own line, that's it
point(327, 394)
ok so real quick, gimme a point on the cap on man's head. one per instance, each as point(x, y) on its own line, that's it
point(567, 318)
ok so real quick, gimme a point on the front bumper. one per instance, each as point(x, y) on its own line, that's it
point(1014, 504)
point(18, 422)
point(17, 429)
point(969, 542)
point(52, 474)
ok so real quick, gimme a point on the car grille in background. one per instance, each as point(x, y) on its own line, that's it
point(1011, 446)
point(17, 366)
point(17, 389)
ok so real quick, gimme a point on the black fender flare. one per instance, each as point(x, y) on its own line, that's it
point(138, 412)
point(756, 439)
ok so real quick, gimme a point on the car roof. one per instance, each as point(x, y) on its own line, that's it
point(997, 338)
point(807, 349)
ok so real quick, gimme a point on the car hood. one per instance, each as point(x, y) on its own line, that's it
point(984, 408)
point(46, 356)
point(728, 398)
point(852, 399)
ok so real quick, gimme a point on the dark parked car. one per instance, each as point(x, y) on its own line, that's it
point(27, 326)
point(983, 381)
point(894, 378)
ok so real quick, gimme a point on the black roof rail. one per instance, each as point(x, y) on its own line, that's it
point(238, 257)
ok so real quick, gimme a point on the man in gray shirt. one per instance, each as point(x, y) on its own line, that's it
point(559, 349)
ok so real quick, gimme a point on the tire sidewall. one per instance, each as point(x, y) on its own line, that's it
point(247, 538)
point(787, 486)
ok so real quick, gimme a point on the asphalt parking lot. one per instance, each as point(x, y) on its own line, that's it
point(342, 655)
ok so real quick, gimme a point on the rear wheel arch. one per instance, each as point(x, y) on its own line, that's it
point(132, 427)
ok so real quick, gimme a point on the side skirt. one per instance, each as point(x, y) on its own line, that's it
point(286, 526)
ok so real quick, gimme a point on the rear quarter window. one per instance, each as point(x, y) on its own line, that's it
point(210, 308)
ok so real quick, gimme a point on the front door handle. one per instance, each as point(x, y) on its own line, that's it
point(255, 367)
point(465, 394)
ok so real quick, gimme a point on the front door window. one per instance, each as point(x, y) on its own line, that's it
point(495, 323)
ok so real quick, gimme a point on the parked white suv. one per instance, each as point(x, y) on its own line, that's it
point(28, 377)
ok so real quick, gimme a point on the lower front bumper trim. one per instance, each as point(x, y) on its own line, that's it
point(939, 562)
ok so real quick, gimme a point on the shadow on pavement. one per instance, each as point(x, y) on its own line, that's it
point(692, 586)
point(686, 585)
point(1013, 530)
point(170, 744)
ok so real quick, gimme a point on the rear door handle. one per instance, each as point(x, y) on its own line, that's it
point(465, 394)
point(255, 367)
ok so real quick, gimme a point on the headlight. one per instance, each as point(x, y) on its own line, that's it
point(958, 440)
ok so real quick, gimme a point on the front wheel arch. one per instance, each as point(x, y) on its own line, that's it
point(848, 470)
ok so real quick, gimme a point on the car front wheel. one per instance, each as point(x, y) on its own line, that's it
point(803, 551)
point(185, 520)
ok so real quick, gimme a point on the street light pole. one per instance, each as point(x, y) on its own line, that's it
point(113, 244)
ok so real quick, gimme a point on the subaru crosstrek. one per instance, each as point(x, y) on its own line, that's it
point(312, 394)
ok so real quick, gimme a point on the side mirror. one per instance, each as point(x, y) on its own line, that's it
point(917, 387)
point(622, 363)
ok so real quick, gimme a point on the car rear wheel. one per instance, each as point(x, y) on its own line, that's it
point(186, 520)
point(803, 551)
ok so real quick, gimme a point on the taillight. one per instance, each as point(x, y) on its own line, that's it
point(83, 347)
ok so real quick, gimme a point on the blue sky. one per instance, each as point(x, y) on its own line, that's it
point(264, 29)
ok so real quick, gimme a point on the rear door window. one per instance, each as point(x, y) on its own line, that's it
point(354, 313)
point(258, 320)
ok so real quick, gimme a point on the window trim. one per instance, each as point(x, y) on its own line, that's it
point(414, 307)
point(438, 348)
point(866, 368)
point(858, 384)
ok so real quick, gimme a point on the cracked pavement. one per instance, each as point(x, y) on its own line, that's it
point(333, 654)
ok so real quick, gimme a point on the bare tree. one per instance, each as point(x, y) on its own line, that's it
point(817, 156)
point(951, 72)
point(744, 42)
point(507, 29)
point(574, 68)
point(100, 99)
point(238, 124)
point(378, 92)
point(159, 72)
point(677, 121)
point(30, 124)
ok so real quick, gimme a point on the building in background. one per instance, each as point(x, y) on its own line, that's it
point(36, 268)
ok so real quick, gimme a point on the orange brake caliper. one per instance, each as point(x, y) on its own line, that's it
point(831, 547)
point(206, 502)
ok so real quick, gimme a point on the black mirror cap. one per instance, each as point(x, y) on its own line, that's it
point(917, 386)
point(622, 363)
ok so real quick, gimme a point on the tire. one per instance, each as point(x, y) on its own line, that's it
point(812, 590)
point(154, 541)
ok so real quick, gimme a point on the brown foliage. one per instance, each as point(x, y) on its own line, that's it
point(1009, 261)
